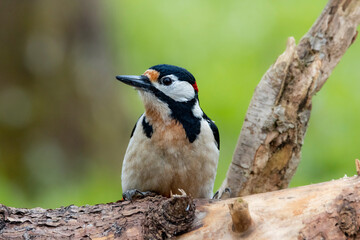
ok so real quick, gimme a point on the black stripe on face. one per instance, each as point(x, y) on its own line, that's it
point(182, 112)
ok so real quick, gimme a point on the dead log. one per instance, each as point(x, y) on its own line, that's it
point(329, 210)
point(150, 218)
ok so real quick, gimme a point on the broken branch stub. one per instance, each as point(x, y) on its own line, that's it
point(240, 215)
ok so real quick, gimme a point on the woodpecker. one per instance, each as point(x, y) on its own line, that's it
point(174, 144)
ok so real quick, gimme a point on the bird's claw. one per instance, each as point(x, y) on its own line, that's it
point(223, 195)
point(133, 194)
point(216, 195)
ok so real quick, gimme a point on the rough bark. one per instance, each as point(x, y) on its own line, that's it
point(150, 218)
point(269, 146)
point(328, 210)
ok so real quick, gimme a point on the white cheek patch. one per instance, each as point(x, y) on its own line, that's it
point(180, 91)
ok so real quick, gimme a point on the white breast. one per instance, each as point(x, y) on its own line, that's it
point(166, 162)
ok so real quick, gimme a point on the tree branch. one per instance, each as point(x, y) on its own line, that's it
point(327, 210)
point(150, 218)
point(330, 209)
point(269, 147)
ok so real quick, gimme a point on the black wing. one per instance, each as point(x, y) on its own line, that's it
point(214, 130)
point(132, 132)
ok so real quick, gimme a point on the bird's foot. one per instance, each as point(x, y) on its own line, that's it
point(133, 194)
point(223, 195)
point(182, 193)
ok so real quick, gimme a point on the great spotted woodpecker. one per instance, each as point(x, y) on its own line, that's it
point(173, 145)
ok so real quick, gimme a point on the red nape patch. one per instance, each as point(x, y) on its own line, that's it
point(195, 87)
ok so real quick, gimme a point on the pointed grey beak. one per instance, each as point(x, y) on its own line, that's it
point(141, 81)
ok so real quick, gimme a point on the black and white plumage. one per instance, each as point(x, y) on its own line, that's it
point(173, 145)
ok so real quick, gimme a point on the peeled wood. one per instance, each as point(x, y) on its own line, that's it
point(329, 210)
point(269, 147)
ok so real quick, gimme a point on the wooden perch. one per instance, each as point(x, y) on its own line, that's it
point(328, 210)
point(152, 218)
point(266, 157)
point(269, 147)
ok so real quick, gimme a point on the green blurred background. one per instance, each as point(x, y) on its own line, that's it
point(65, 121)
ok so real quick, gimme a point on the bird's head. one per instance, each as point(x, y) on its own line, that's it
point(166, 89)
point(170, 96)
point(165, 82)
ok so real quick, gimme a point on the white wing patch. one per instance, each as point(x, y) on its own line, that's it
point(197, 110)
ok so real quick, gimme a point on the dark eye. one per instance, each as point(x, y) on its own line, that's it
point(166, 81)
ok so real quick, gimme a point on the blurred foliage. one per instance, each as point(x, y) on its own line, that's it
point(65, 121)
